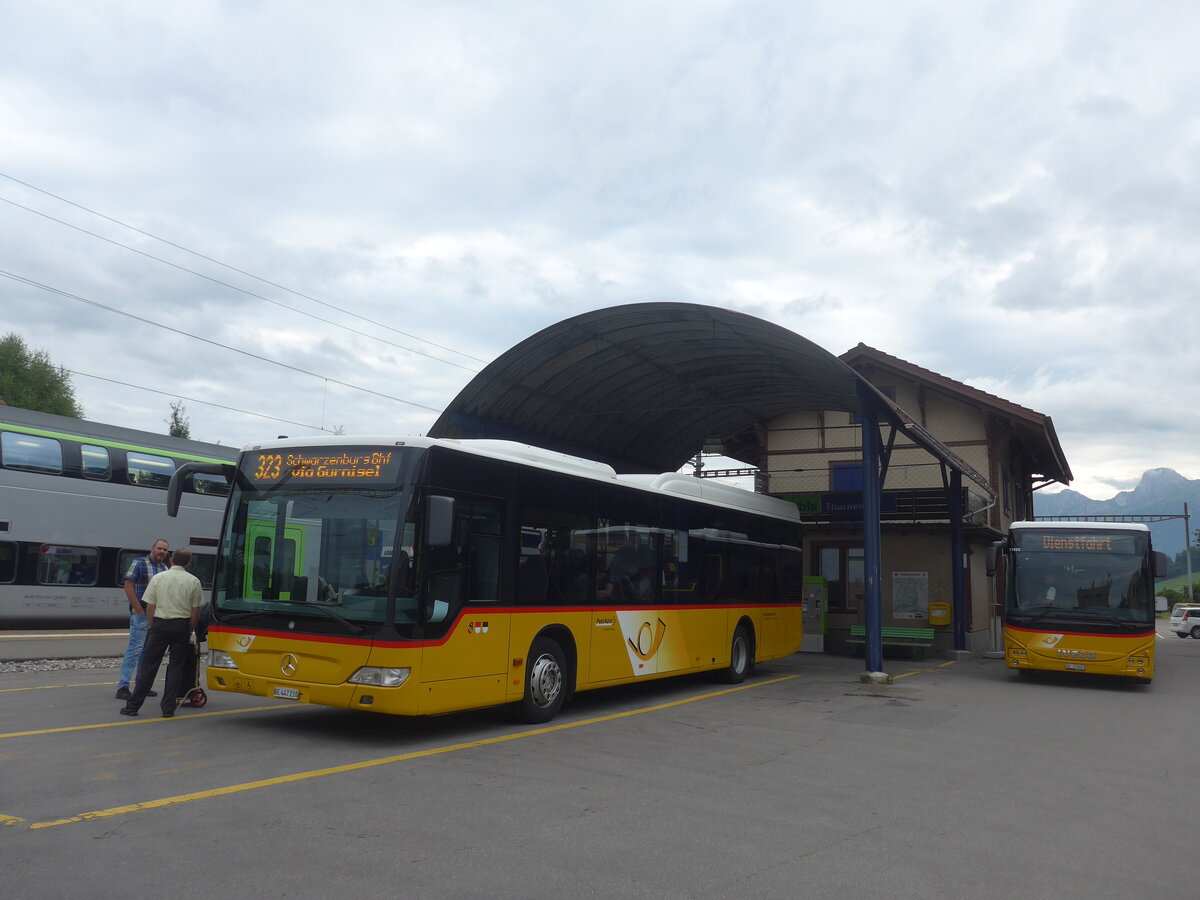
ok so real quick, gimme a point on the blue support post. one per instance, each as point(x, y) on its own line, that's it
point(872, 540)
point(956, 561)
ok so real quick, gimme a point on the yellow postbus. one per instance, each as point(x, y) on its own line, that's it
point(422, 576)
point(1079, 597)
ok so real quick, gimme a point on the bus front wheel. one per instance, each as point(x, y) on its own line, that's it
point(545, 687)
point(741, 652)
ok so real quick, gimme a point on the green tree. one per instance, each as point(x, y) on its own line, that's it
point(179, 426)
point(30, 380)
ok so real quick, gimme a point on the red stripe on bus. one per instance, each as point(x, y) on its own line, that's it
point(473, 611)
point(1135, 634)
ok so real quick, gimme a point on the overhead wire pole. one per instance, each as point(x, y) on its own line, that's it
point(872, 541)
point(1187, 548)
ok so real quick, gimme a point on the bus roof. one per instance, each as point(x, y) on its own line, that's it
point(1075, 526)
point(675, 483)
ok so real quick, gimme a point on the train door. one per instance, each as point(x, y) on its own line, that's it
point(260, 561)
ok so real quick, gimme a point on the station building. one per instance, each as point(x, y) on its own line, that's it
point(814, 459)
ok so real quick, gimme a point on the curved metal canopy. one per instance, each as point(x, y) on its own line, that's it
point(643, 386)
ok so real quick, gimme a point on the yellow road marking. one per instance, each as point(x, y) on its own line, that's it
point(388, 760)
point(9, 820)
point(924, 671)
point(133, 721)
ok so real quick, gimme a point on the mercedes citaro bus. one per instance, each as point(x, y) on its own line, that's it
point(422, 575)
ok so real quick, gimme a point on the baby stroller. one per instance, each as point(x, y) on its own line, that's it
point(194, 695)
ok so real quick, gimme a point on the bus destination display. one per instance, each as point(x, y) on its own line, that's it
point(347, 466)
point(1059, 542)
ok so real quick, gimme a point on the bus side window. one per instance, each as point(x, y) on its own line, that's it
point(485, 568)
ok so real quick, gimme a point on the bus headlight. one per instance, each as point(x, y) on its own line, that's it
point(377, 676)
point(219, 659)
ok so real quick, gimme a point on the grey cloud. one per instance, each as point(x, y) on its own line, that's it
point(1041, 283)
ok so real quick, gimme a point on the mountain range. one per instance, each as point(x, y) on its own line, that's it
point(1160, 492)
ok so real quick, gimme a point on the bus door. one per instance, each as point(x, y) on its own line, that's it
point(260, 560)
point(466, 632)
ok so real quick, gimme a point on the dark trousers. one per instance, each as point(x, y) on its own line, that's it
point(172, 634)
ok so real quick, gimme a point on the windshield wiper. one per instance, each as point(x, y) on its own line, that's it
point(233, 617)
point(1041, 613)
point(1124, 623)
point(304, 604)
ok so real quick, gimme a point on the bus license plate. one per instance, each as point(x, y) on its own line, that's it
point(294, 693)
point(1071, 667)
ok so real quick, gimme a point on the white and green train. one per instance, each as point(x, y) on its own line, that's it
point(80, 500)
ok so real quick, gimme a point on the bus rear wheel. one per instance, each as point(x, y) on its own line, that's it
point(741, 652)
point(545, 687)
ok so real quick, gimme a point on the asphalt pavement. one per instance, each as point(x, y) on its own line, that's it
point(959, 779)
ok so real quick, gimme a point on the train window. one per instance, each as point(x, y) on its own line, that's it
point(203, 565)
point(8, 562)
point(95, 462)
point(150, 471)
point(28, 451)
point(211, 484)
point(59, 564)
point(125, 559)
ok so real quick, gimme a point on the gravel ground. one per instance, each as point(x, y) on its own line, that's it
point(57, 665)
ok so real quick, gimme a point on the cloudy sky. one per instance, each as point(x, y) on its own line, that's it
point(300, 215)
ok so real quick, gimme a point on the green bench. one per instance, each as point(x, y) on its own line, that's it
point(895, 636)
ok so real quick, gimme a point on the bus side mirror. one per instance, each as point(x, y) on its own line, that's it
point(181, 475)
point(439, 521)
point(993, 552)
point(1161, 564)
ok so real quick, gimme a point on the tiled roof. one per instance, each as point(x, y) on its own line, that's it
point(1038, 425)
point(863, 352)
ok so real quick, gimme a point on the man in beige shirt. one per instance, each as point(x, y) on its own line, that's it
point(172, 601)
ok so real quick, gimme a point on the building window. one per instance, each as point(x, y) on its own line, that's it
point(846, 476)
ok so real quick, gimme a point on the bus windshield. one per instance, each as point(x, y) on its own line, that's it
point(331, 554)
point(1080, 581)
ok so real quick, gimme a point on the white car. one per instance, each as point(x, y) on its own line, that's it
point(1185, 620)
